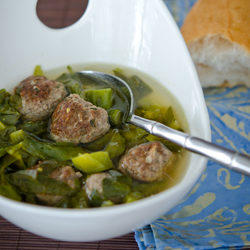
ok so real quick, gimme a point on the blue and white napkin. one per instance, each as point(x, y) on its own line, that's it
point(216, 213)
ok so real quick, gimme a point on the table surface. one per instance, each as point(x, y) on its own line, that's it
point(57, 14)
point(12, 237)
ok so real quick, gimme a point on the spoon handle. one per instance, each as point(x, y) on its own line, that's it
point(228, 158)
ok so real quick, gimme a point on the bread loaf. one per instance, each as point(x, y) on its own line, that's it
point(217, 33)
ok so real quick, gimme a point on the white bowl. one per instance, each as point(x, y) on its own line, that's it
point(134, 33)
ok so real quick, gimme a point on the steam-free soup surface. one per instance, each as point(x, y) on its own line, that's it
point(64, 143)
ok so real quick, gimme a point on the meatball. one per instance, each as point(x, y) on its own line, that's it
point(147, 162)
point(65, 174)
point(40, 97)
point(94, 182)
point(78, 121)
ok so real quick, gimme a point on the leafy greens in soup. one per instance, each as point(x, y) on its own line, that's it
point(64, 143)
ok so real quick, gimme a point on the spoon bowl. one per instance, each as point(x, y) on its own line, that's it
point(117, 84)
point(228, 158)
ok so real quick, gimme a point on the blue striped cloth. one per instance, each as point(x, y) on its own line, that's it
point(216, 213)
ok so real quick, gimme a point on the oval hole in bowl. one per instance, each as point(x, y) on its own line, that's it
point(60, 13)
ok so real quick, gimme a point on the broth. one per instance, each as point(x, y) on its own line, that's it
point(30, 155)
point(158, 96)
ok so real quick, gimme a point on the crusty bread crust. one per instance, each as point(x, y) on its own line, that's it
point(229, 19)
point(217, 34)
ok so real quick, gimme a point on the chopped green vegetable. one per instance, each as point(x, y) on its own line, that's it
point(31, 161)
point(107, 203)
point(29, 172)
point(121, 177)
point(5, 132)
point(118, 73)
point(112, 187)
point(133, 196)
point(36, 128)
point(96, 199)
point(100, 97)
point(91, 163)
point(42, 184)
point(15, 101)
point(149, 188)
point(38, 71)
point(100, 143)
point(170, 119)
point(16, 136)
point(171, 146)
point(138, 87)
point(116, 145)
point(6, 189)
point(128, 132)
point(133, 135)
point(49, 150)
point(8, 114)
point(80, 200)
point(141, 87)
point(2, 126)
point(2, 96)
point(18, 153)
point(2, 151)
point(131, 144)
point(70, 70)
point(154, 112)
point(115, 117)
point(72, 83)
point(28, 184)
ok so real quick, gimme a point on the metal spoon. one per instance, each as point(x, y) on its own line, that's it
point(228, 158)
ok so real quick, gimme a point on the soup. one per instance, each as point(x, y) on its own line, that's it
point(75, 150)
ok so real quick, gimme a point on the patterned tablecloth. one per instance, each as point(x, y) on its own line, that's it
point(216, 213)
